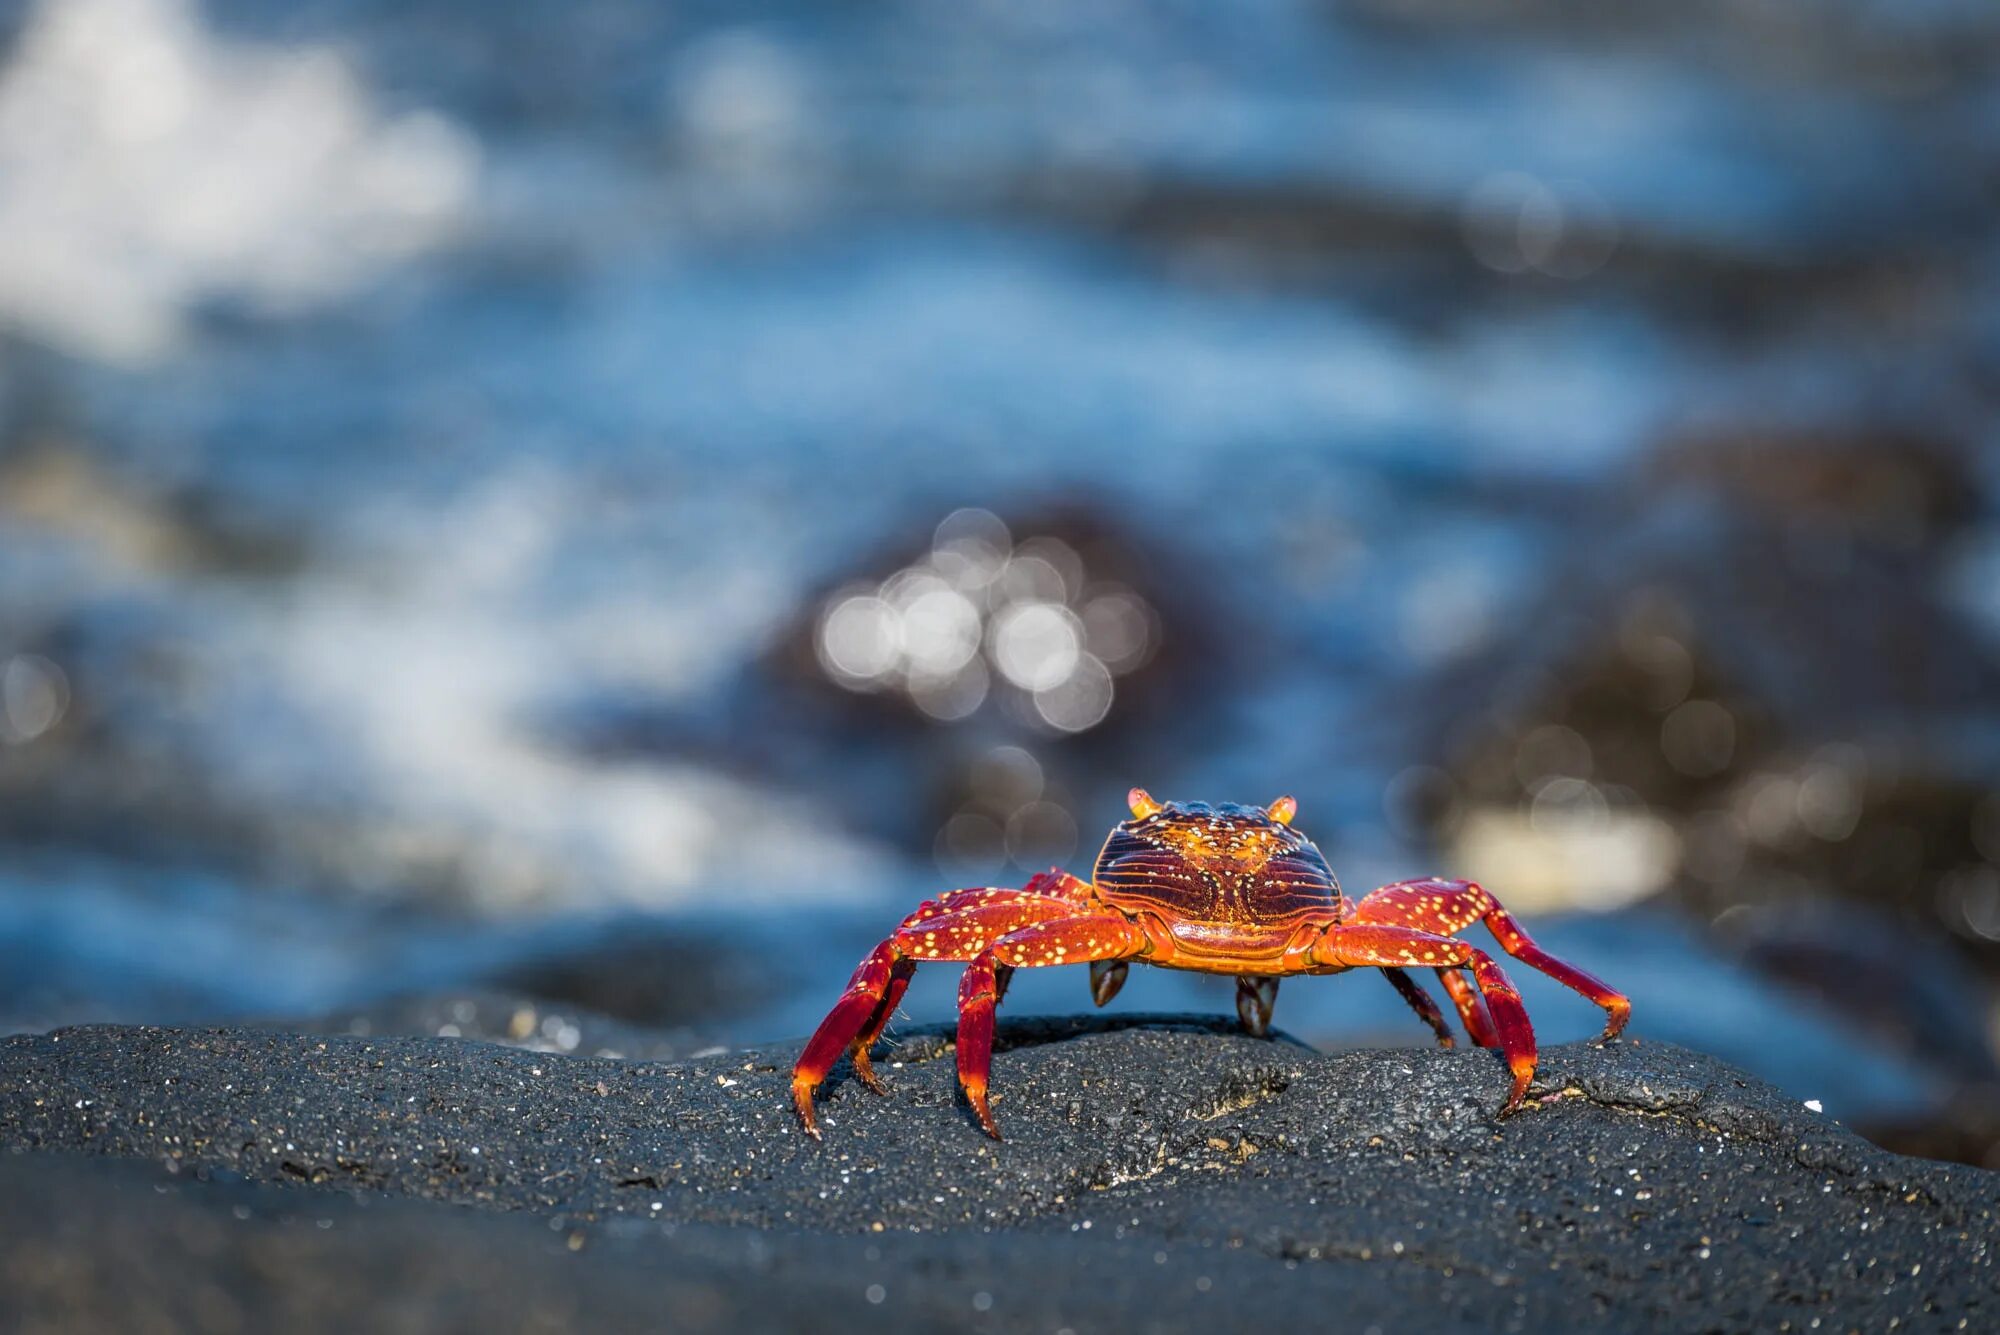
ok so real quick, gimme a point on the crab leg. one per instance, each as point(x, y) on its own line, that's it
point(1448, 907)
point(1057, 884)
point(996, 898)
point(866, 991)
point(1256, 998)
point(997, 902)
point(933, 932)
point(1363, 945)
point(1069, 941)
point(1420, 1002)
point(1106, 977)
point(1471, 1009)
point(900, 973)
point(1516, 942)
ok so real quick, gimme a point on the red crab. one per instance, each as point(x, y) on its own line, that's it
point(1218, 889)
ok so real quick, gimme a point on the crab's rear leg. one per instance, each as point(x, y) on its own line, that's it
point(1447, 907)
point(1420, 1001)
point(1471, 1010)
point(1350, 945)
point(1074, 940)
point(933, 932)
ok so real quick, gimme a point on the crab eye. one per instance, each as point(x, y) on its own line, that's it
point(1142, 803)
point(1282, 810)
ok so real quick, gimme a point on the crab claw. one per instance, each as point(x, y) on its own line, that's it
point(1142, 803)
point(1283, 810)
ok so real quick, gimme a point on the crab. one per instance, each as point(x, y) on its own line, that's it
point(1224, 889)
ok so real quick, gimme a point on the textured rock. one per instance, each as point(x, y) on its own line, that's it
point(1160, 1173)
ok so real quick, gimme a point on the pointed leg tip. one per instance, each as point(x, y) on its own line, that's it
point(865, 1073)
point(976, 1096)
point(802, 1102)
point(1522, 1080)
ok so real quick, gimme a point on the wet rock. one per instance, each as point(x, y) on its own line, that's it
point(1893, 488)
point(1786, 656)
point(1905, 989)
point(1966, 1131)
point(645, 972)
point(512, 1019)
point(1159, 1174)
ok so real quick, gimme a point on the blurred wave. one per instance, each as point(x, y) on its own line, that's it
point(149, 166)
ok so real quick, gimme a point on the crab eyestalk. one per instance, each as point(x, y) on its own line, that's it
point(1142, 804)
point(1282, 810)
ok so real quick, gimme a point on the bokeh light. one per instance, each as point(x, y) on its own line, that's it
point(980, 610)
point(34, 694)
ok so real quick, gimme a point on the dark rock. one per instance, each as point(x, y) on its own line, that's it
point(646, 972)
point(96, 1244)
point(1160, 1174)
point(513, 1019)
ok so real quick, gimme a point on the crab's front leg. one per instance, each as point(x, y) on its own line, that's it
point(1068, 941)
point(956, 926)
point(1000, 909)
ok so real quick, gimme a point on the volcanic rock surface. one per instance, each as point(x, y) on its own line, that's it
point(1160, 1173)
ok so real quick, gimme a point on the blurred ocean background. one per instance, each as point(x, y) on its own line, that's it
point(559, 522)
